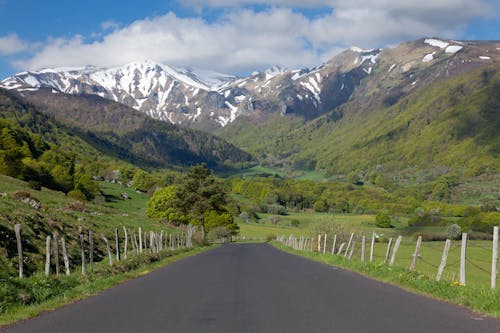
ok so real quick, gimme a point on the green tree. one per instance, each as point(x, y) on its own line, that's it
point(162, 205)
point(143, 181)
point(200, 193)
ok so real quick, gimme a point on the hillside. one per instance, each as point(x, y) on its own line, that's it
point(416, 117)
point(120, 132)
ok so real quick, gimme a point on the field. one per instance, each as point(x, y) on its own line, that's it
point(478, 252)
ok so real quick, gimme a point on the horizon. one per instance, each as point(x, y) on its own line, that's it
point(234, 37)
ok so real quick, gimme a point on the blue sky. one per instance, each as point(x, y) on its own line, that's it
point(226, 35)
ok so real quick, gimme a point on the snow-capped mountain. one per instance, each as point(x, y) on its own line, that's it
point(209, 100)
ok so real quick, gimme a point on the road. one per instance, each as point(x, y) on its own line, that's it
point(256, 288)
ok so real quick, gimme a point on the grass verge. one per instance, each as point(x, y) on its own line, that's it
point(479, 299)
point(46, 294)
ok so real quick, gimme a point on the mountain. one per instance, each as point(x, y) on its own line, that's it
point(205, 99)
point(428, 107)
point(115, 130)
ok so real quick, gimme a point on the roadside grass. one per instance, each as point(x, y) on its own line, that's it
point(50, 293)
point(480, 299)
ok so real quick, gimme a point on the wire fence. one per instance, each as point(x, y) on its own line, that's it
point(477, 267)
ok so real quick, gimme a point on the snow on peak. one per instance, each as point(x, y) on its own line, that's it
point(436, 43)
point(274, 71)
point(360, 50)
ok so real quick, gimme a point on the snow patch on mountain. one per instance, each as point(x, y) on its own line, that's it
point(453, 49)
point(436, 43)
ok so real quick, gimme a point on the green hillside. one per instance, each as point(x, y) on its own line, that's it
point(121, 132)
point(448, 126)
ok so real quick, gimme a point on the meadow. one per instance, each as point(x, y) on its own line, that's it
point(479, 252)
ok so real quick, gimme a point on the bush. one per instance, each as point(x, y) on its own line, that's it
point(433, 236)
point(77, 195)
point(453, 231)
point(294, 223)
point(382, 220)
point(218, 234)
point(320, 206)
point(35, 185)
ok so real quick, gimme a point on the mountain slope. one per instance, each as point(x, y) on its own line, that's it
point(447, 126)
point(411, 113)
point(119, 131)
point(210, 100)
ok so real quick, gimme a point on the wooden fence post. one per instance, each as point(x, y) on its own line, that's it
point(416, 254)
point(352, 249)
point(91, 250)
point(140, 240)
point(494, 259)
point(319, 243)
point(462, 258)
point(56, 253)
point(444, 258)
point(82, 246)
point(395, 250)
point(363, 248)
point(110, 255)
point(125, 245)
point(341, 247)
point(117, 241)
point(47, 256)
point(134, 243)
point(372, 246)
point(348, 245)
point(334, 241)
point(324, 244)
point(388, 251)
point(17, 230)
point(65, 256)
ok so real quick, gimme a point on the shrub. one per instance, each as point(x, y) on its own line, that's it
point(35, 185)
point(382, 220)
point(433, 236)
point(294, 223)
point(453, 231)
point(218, 234)
point(77, 195)
point(77, 206)
point(320, 206)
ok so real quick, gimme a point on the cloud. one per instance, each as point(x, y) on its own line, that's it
point(110, 25)
point(243, 39)
point(12, 44)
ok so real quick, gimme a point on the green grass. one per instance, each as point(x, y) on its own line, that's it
point(64, 290)
point(478, 298)
point(306, 219)
point(253, 171)
point(478, 252)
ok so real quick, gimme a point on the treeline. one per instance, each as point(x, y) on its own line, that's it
point(275, 195)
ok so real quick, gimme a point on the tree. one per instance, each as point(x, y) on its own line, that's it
point(199, 194)
point(162, 205)
point(143, 181)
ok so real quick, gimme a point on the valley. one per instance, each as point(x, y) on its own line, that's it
point(400, 141)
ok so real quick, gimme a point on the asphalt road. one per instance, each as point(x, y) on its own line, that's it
point(256, 288)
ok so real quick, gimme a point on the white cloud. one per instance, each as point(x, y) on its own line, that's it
point(243, 40)
point(110, 25)
point(12, 44)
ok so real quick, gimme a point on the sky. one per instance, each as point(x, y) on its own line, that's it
point(230, 36)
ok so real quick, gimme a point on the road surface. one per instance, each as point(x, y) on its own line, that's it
point(256, 288)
